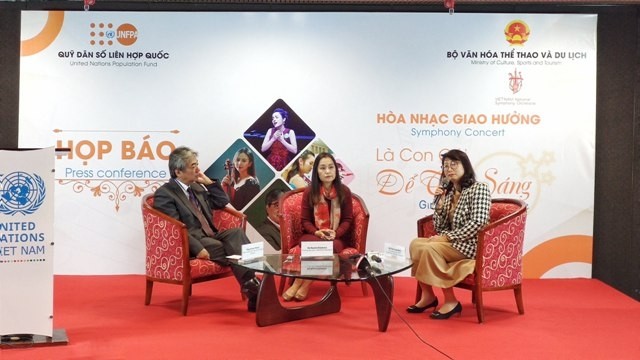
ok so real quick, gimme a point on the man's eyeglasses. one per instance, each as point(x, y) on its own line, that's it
point(450, 165)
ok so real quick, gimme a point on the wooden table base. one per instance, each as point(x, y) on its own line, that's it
point(382, 287)
point(269, 310)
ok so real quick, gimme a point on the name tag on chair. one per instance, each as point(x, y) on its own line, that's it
point(316, 249)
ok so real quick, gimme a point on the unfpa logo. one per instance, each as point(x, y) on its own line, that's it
point(127, 34)
point(104, 34)
point(21, 193)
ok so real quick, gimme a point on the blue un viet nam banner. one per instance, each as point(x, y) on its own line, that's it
point(26, 241)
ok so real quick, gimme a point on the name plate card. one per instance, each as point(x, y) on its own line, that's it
point(394, 252)
point(252, 251)
point(316, 267)
point(316, 249)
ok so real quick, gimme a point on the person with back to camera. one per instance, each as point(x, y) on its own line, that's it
point(327, 214)
point(303, 165)
point(243, 183)
point(279, 140)
point(270, 227)
point(189, 197)
point(447, 258)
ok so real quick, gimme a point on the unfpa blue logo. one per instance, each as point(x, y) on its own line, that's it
point(21, 193)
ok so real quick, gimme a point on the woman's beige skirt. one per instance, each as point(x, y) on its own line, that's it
point(438, 263)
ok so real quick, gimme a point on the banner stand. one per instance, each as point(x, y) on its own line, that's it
point(27, 340)
point(26, 248)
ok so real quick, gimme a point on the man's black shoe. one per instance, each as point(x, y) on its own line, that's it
point(251, 304)
point(250, 288)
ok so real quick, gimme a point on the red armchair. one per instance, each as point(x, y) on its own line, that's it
point(291, 226)
point(167, 251)
point(499, 256)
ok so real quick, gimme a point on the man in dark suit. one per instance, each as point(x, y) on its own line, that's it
point(270, 227)
point(189, 197)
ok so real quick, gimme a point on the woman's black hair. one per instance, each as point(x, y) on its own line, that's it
point(469, 177)
point(316, 184)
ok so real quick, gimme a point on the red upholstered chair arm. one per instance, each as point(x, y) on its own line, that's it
point(290, 220)
point(500, 246)
point(167, 243)
point(359, 235)
point(360, 225)
point(426, 227)
point(290, 231)
point(225, 219)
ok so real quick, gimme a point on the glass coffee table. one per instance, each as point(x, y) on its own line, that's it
point(336, 269)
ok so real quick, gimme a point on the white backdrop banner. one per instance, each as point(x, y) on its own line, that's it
point(387, 93)
point(26, 242)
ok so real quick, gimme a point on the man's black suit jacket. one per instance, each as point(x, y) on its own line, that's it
point(171, 200)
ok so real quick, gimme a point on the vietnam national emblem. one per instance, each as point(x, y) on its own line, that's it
point(517, 32)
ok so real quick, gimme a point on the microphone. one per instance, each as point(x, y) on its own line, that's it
point(363, 265)
point(444, 182)
point(375, 258)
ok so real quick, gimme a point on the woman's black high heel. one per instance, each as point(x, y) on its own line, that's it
point(444, 316)
point(417, 310)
